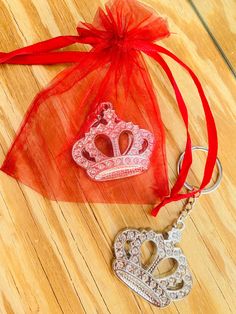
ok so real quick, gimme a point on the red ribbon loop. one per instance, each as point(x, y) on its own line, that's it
point(154, 51)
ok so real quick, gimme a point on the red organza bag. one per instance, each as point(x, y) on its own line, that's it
point(112, 71)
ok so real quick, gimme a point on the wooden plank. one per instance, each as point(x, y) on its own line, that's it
point(56, 257)
point(218, 17)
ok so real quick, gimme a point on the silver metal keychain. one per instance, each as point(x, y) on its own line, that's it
point(158, 290)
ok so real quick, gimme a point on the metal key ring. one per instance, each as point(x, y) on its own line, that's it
point(219, 167)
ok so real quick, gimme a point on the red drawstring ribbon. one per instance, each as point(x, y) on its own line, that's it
point(154, 51)
point(44, 53)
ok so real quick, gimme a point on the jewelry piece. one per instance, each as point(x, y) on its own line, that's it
point(159, 290)
point(100, 167)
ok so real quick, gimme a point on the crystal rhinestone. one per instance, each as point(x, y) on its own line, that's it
point(145, 277)
point(161, 253)
point(137, 272)
point(137, 242)
point(150, 235)
point(92, 172)
point(121, 125)
point(143, 236)
point(182, 268)
point(89, 146)
point(159, 291)
point(119, 254)
point(131, 235)
point(168, 244)
point(172, 280)
point(187, 278)
point(165, 303)
point(176, 252)
point(182, 259)
point(119, 244)
point(129, 268)
point(84, 163)
point(122, 237)
point(152, 284)
point(109, 163)
point(164, 283)
point(78, 156)
point(181, 294)
point(118, 161)
point(168, 251)
point(93, 152)
point(127, 160)
point(163, 299)
point(187, 289)
point(173, 295)
point(119, 264)
point(113, 134)
point(174, 234)
point(134, 259)
point(134, 250)
point(143, 162)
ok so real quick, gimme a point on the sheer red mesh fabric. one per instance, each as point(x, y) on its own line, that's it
point(112, 71)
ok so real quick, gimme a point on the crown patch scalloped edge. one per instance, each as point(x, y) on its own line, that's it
point(133, 161)
point(159, 290)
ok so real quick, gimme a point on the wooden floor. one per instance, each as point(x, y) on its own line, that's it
point(56, 257)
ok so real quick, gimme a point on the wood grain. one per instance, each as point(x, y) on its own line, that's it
point(56, 257)
point(218, 17)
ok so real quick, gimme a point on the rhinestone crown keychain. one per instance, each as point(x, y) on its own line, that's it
point(133, 161)
point(158, 290)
